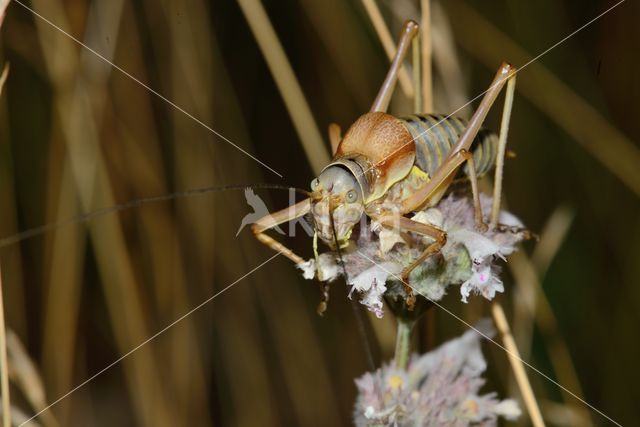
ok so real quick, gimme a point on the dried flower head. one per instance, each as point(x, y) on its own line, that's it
point(439, 388)
point(468, 259)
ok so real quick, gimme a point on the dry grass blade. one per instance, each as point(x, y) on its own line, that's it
point(447, 61)
point(287, 83)
point(25, 375)
point(64, 286)
point(567, 109)
point(348, 48)
point(388, 44)
point(189, 68)
point(4, 368)
point(561, 415)
point(3, 9)
point(11, 260)
point(552, 237)
point(516, 364)
point(449, 91)
point(77, 118)
point(19, 418)
point(3, 77)
point(531, 303)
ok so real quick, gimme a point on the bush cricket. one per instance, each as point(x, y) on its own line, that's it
point(387, 167)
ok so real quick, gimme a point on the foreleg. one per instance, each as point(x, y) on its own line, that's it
point(277, 218)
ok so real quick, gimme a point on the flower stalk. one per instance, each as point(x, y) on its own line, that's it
point(438, 388)
point(4, 366)
point(403, 342)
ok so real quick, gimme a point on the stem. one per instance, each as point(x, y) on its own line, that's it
point(4, 370)
point(287, 83)
point(403, 342)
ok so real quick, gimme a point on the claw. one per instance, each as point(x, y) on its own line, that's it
point(324, 298)
point(482, 227)
point(410, 299)
point(322, 307)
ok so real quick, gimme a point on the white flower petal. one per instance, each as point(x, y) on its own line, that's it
point(483, 281)
point(478, 246)
point(431, 216)
point(509, 219)
point(372, 299)
point(376, 273)
point(388, 238)
point(369, 412)
point(308, 269)
point(508, 409)
point(371, 284)
point(328, 268)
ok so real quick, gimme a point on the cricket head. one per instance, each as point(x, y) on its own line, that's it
point(337, 204)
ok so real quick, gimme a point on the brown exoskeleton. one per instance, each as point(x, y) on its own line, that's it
point(387, 167)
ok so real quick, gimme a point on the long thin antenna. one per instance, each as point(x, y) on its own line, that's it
point(86, 217)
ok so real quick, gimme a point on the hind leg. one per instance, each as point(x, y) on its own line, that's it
point(381, 103)
point(445, 173)
point(502, 145)
point(277, 218)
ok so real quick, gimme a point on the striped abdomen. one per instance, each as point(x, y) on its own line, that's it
point(434, 136)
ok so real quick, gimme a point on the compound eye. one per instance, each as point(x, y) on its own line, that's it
point(352, 196)
point(315, 184)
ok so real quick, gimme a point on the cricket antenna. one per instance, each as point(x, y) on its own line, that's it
point(357, 311)
point(88, 216)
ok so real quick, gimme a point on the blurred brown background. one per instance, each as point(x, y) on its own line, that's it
point(77, 135)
